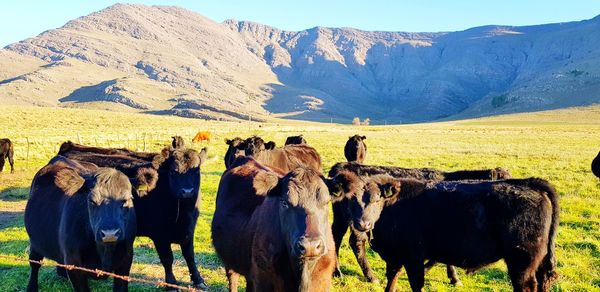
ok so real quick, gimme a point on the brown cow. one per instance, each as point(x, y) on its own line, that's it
point(201, 136)
point(285, 158)
point(290, 157)
point(273, 229)
point(356, 149)
point(7, 151)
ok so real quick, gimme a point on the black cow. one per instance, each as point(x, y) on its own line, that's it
point(233, 150)
point(170, 212)
point(7, 151)
point(295, 140)
point(356, 149)
point(465, 224)
point(358, 234)
point(82, 215)
point(595, 166)
point(270, 145)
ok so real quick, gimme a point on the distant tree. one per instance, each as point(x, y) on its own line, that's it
point(356, 121)
point(366, 122)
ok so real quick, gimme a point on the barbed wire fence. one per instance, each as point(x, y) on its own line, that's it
point(100, 273)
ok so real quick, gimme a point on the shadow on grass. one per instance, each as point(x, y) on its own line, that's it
point(14, 194)
point(11, 219)
point(146, 254)
point(215, 173)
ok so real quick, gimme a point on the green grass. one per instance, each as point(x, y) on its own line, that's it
point(557, 146)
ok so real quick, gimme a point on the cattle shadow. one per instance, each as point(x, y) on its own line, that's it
point(11, 219)
point(13, 194)
point(146, 254)
point(215, 173)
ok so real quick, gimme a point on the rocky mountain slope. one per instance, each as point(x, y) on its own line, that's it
point(168, 60)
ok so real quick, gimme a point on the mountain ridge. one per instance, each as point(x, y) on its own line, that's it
point(165, 57)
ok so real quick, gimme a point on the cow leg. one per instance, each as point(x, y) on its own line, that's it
point(358, 242)
point(522, 271)
point(391, 273)
point(163, 248)
point(451, 272)
point(61, 272)
point(187, 249)
point(79, 281)
point(339, 229)
point(416, 274)
point(123, 270)
point(35, 268)
point(11, 161)
point(2, 160)
point(232, 278)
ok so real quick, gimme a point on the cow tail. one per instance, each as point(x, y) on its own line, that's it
point(546, 273)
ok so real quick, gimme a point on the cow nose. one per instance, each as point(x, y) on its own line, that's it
point(310, 247)
point(110, 236)
point(187, 193)
point(365, 225)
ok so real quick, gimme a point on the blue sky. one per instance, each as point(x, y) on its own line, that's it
point(27, 18)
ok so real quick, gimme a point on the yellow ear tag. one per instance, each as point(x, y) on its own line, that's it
point(142, 188)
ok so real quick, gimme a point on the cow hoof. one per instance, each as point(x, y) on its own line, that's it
point(202, 286)
point(457, 283)
point(337, 273)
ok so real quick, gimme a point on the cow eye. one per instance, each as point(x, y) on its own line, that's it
point(284, 204)
point(92, 202)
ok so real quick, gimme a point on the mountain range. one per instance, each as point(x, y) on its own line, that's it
point(169, 60)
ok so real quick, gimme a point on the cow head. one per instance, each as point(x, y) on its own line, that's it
point(295, 140)
point(499, 173)
point(302, 201)
point(366, 196)
point(270, 145)
point(253, 145)
point(354, 148)
point(109, 204)
point(235, 149)
point(182, 168)
point(177, 142)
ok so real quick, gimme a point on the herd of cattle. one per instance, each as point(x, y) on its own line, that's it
point(270, 225)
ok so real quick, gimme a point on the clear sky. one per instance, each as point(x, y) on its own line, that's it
point(20, 19)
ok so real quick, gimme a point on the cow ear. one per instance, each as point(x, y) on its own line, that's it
point(228, 141)
point(336, 189)
point(364, 137)
point(203, 155)
point(264, 182)
point(390, 189)
point(69, 181)
point(270, 145)
point(145, 180)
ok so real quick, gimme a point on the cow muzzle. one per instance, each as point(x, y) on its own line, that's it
point(110, 236)
point(363, 225)
point(309, 247)
point(186, 193)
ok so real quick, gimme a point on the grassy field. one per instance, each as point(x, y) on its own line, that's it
point(557, 146)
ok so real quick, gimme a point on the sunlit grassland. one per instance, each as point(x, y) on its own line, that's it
point(557, 146)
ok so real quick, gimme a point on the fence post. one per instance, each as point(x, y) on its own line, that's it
point(144, 142)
